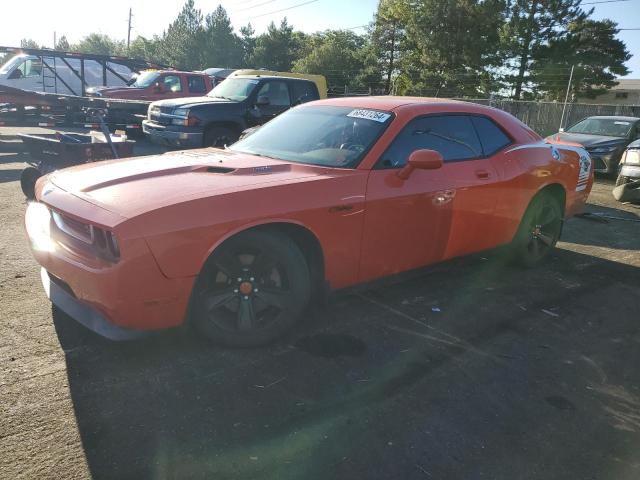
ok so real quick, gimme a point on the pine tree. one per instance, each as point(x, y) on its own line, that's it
point(222, 47)
point(591, 47)
point(531, 25)
point(182, 41)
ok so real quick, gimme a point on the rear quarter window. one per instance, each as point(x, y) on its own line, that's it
point(491, 136)
point(196, 84)
point(304, 92)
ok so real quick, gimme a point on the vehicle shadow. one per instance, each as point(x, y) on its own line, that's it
point(10, 175)
point(171, 406)
point(604, 227)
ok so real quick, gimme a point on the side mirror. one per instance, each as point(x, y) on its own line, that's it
point(561, 130)
point(158, 87)
point(17, 73)
point(421, 160)
point(262, 101)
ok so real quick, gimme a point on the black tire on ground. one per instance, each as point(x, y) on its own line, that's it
point(252, 289)
point(28, 179)
point(621, 180)
point(539, 230)
point(219, 137)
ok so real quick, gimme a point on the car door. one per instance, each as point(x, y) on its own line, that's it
point(272, 99)
point(434, 214)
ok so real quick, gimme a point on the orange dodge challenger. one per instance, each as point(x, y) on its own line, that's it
point(327, 195)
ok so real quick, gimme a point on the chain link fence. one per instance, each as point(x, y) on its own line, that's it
point(543, 117)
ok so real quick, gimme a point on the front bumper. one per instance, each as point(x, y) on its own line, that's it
point(83, 313)
point(605, 163)
point(172, 136)
point(117, 300)
point(630, 171)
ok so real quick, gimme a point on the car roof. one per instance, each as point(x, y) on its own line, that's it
point(388, 102)
point(616, 117)
point(274, 77)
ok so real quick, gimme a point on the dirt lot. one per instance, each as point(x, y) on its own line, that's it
point(472, 370)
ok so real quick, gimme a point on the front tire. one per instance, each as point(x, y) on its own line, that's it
point(252, 289)
point(219, 137)
point(28, 179)
point(539, 230)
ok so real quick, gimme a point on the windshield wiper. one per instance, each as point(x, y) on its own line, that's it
point(223, 97)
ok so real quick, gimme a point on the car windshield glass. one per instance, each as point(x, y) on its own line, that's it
point(6, 68)
point(609, 127)
point(237, 89)
point(320, 135)
point(145, 79)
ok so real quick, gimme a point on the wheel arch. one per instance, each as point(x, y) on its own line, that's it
point(304, 238)
point(558, 191)
point(233, 125)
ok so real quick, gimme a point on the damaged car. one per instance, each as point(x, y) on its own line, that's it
point(238, 242)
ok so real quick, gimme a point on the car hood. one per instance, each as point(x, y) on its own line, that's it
point(587, 141)
point(130, 187)
point(190, 102)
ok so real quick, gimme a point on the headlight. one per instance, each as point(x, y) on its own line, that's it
point(181, 112)
point(632, 157)
point(37, 221)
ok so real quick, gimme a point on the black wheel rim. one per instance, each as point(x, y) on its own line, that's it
point(246, 290)
point(544, 229)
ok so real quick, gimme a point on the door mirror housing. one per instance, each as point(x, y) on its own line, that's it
point(262, 101)
point(158, 87)
point(421, 160)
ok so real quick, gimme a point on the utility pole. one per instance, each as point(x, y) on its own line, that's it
point(129, 31)
point(55, 40)
point(566, 97)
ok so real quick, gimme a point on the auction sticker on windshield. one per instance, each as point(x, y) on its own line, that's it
point(370, 115)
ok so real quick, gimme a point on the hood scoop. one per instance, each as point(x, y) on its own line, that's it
point(220, 170)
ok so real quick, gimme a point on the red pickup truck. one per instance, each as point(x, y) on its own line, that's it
point(159, 85)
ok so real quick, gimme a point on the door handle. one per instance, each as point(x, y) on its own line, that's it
point(482, 174)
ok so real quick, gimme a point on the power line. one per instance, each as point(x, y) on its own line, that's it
point(605, 1)
point(282, 9)
point(255, 6)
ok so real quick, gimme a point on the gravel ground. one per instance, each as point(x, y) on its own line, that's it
point(471, 370)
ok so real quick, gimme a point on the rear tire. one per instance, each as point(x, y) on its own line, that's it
point(251, 290)
point(539, 230)
point(219, 137)
point(28, 179)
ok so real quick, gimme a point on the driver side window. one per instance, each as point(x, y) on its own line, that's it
point(172, 83)
point(453, 136)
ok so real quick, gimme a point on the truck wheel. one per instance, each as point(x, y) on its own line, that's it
point(219, 137)
point(539, 230)
point(28, 179)
point(251, 290)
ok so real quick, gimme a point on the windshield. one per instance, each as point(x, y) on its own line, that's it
point(609, 127)
point(319, 135)
point(236, 89)
point(145, 79)
point(11, 63)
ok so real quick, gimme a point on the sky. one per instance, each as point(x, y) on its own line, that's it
point(77, 18)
